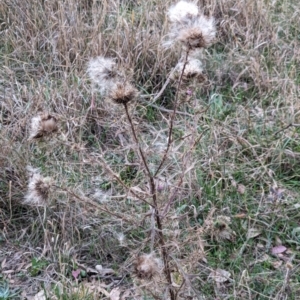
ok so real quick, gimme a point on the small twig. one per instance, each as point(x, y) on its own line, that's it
point(121, 181)
point(286, 282)
point(9, 197)
point(173, 116)
point(137, 142)
point(180, 181)
point(185, 277)
point(286, 127)
point(165, 109)
point(152, 230)
point(172, 198)
point(164, 86)
point(87, 200)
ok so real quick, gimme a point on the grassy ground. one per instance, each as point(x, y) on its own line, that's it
point(232, 172)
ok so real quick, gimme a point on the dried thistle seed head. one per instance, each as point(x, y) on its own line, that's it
point(221, 229)
point(38, 189)
point(194, 33)
point(147, 266)
point(193, 70)
point(41, 125)
point(192, 38)
point(182, 10)
point(49, 123)
point(122, 93)
point(199, 34)
point(102, 72)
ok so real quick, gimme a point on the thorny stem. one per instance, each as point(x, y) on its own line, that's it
point(158, 220)
point(137, 143)
point(173, 115)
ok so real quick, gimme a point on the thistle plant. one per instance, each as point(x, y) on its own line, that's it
point(160, 166)
point(194, 32)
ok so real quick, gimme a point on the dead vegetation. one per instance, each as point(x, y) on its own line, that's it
point(186, 186)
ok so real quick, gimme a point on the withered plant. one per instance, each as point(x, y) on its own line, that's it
point(194, 32)
point(149, 149)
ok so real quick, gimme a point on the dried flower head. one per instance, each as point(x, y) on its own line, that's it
point(122, 93)
point(147, 266)
point(220, 229)
point(103, 72)
point(200, 33)
point(38, 188)
point(182, 10)
point(193, 70)
point(192, 29)
point(41, 125)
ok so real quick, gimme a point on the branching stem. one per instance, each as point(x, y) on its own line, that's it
point(158, 221)
point(173, 116)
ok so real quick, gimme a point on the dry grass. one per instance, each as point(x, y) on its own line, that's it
point(228, 191)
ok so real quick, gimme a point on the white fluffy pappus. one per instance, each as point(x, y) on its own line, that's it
point(102, 72)
point(41, 125)
point(190, 27)
point(147, 266)
point(38, 188)
point(200, 33)
point(193, 69)
point(181, 10)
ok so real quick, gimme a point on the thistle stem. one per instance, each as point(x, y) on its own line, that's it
point(173, 116)
point(161, 239)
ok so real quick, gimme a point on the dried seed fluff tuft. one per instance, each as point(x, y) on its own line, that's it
point(122, 93)
point(41, 125)
point(181, 10)
point(38, 188)
point(147, 266)
point(199, 34)
point(190, 27)
point(102, 72)
point(192, 70)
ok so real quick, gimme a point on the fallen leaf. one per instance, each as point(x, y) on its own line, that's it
point(75, 273)
point(99, 268)
point(260, 246)
point(3, 263)
point(176, 279)
point(278, 249)
point(39, 296)
point(240, 216)
point(278, 241)
point(125, 295)
point(253, 232)
point(220, 275)
point(104, 271)
point(277, 264)
point(241, 189)
point(115, 294)
point(96, 287)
